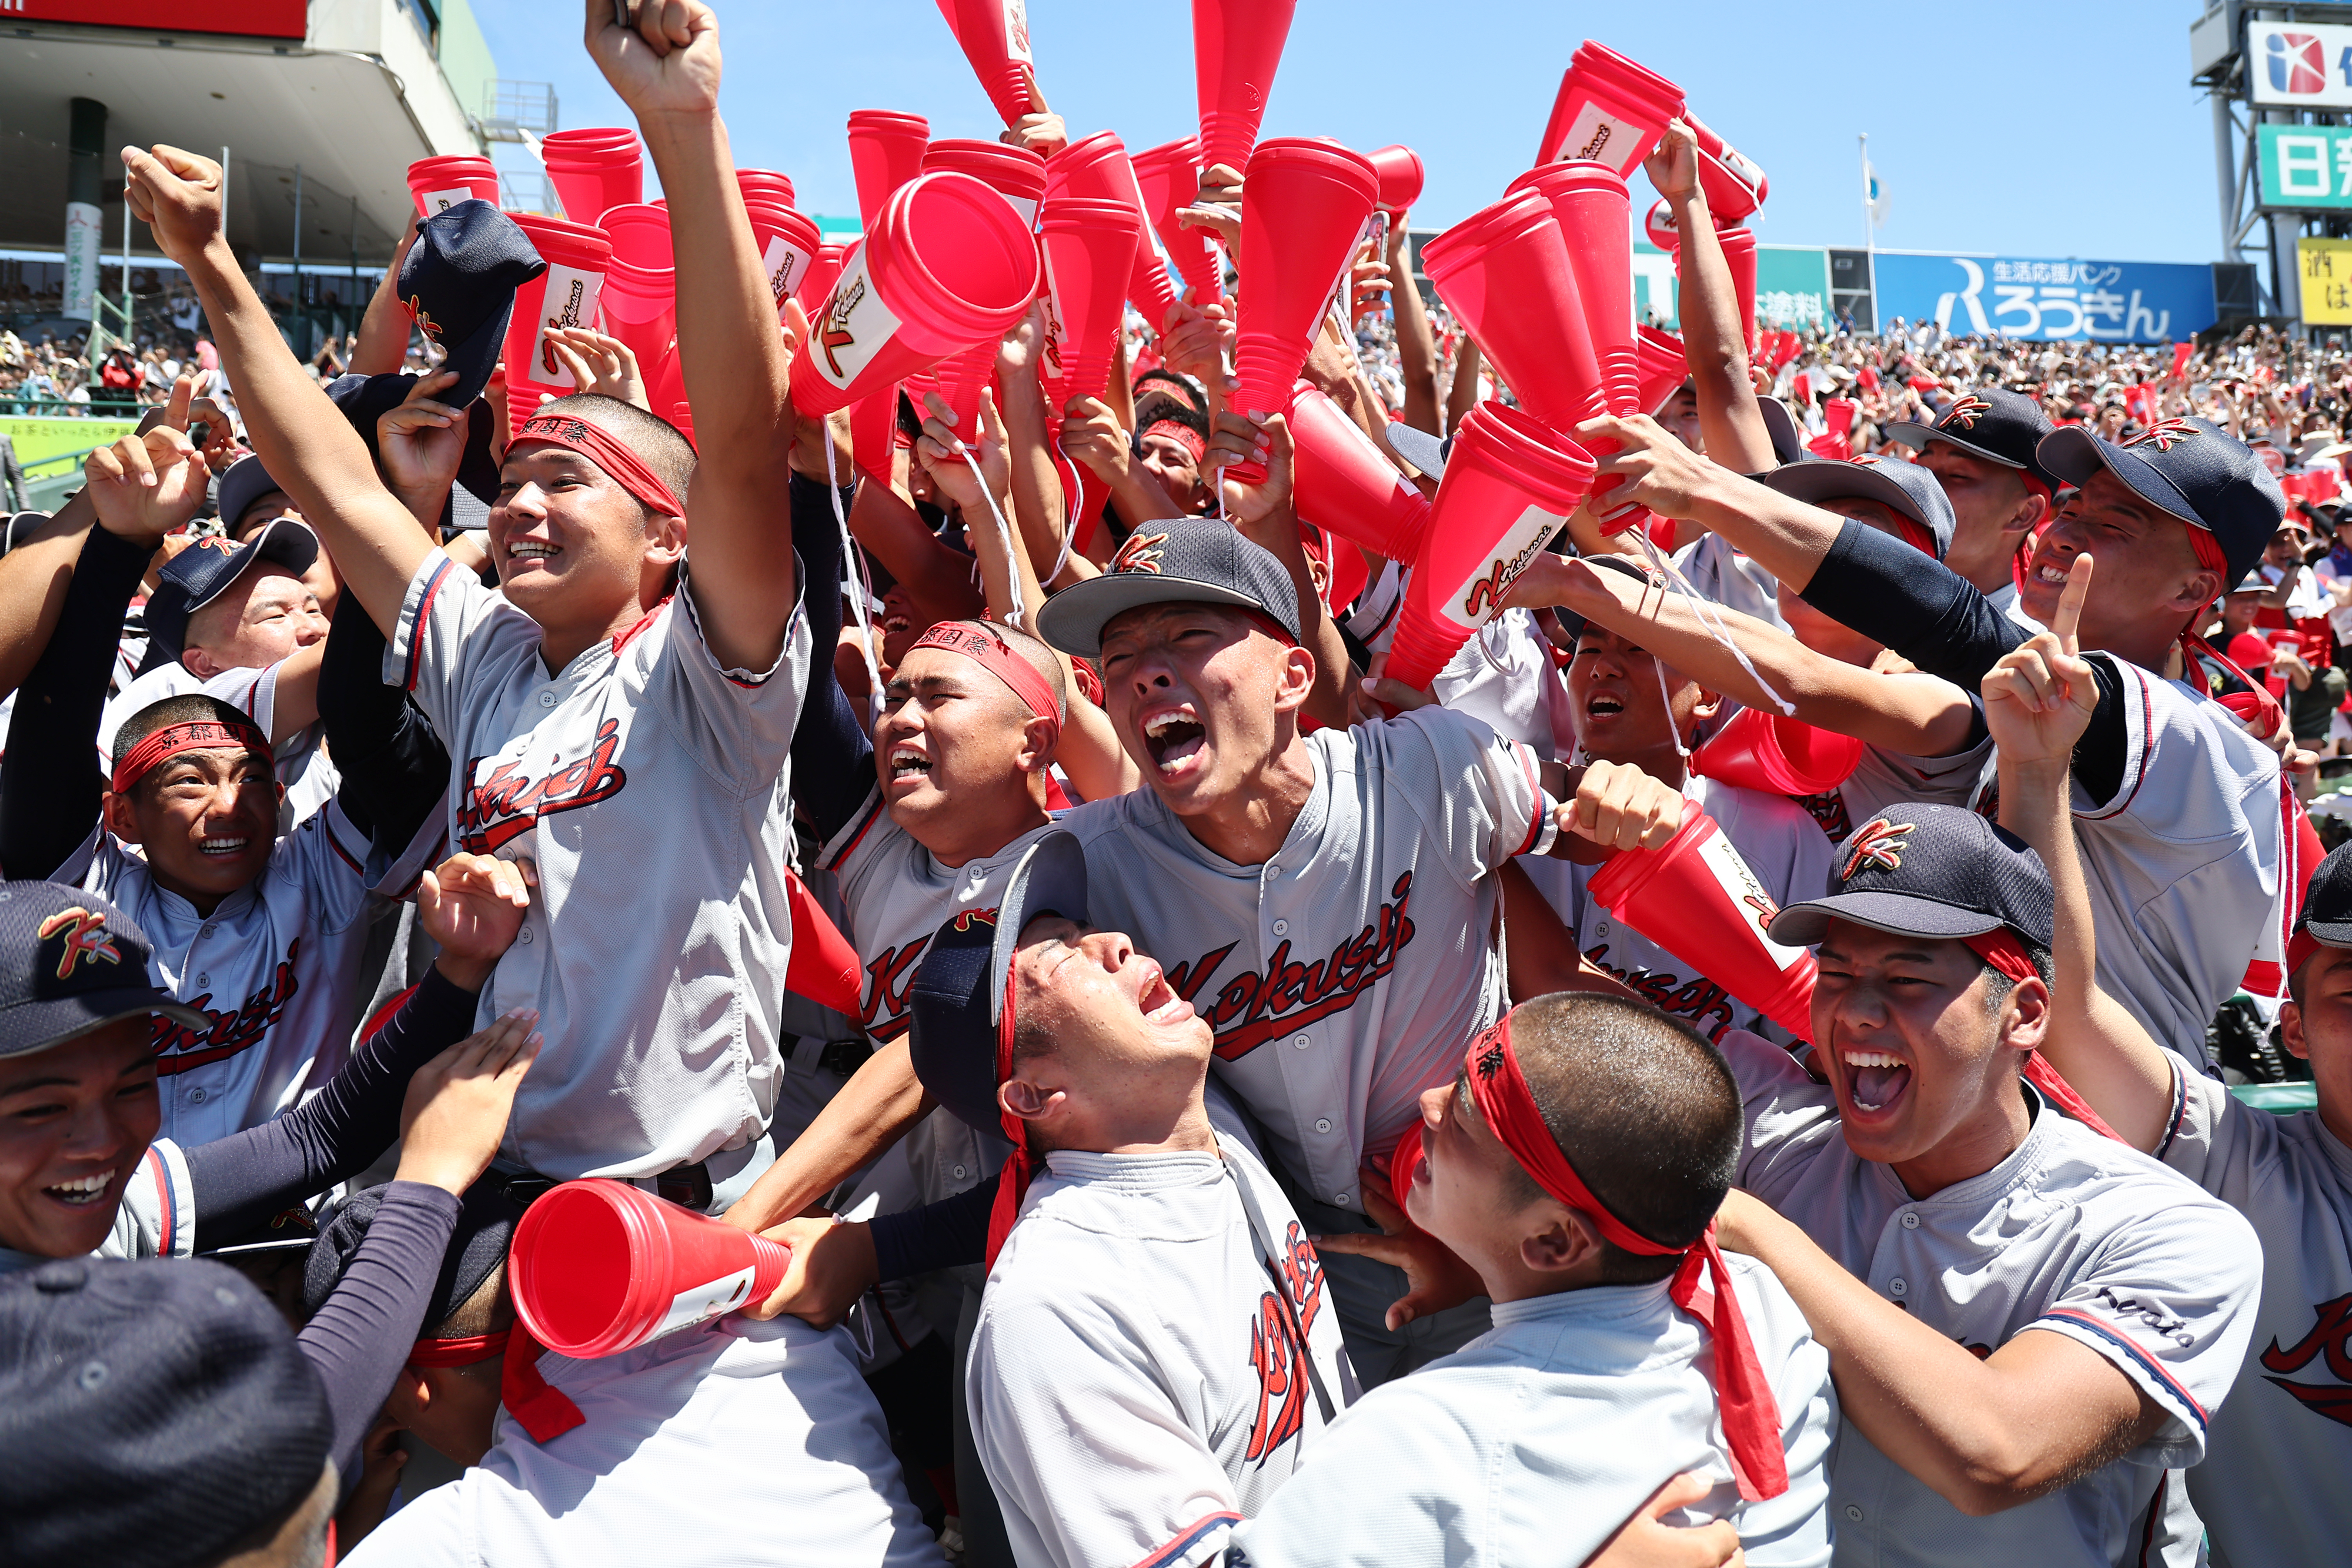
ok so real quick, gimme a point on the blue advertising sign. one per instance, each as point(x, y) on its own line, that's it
point(2108, 301)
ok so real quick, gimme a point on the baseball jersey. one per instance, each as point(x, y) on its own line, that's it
point(1505, 675)
point(276, 966)
point(2072, 1234)
point(1144, 1373)
point(2273, 1486)
point(157, 1216)
point(1884, 778)
point(731, 1443)
point(1731, 578)
point(303, 766)
point(1343, 974)
point(1534, 1442)
point(1781, 845)
point(649, 786)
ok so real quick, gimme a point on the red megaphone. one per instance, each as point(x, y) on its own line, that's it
point(1735, 186)
point(598, 1267)
point(641, 288)
point(874, 434)
point(1661, 363)
point(1510, 484)
point(1304, 206)
point(766, 184)
point(1019, 176)
point(593, 169)
point(886, 151)
point(994, 37)
point(1699, 900)
point(1343, 485)
point(823, 966)
point(1097, 168)
point(1236, 45)
point(818, 280)
point(1762, 751)
point(566, 294)
point(1608, 109)
point(1659, 225)
point(1169, 177)
point(788, 242)
point(948, 263)
point(1090, 256)
point(1401, 175)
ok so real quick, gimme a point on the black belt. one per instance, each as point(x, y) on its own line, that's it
point(843, 1057)
point(688, 1186)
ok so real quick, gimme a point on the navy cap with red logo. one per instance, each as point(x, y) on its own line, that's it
point(1183, 561)
point(1937, 871)
point(459, 284)
point(2191, 469)
point(1991, 422)
point(202, 573)
point(1912, 493)
point(70, 963)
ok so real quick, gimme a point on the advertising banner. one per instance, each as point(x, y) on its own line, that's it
point(1792, 286)
point(2106, 301)
point(2305, 166)
point(2299, 64)
point(82, 225)
point(2327, 267)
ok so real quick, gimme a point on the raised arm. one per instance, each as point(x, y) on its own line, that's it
point(33, 578)
point(2038, 701)
point(733, 357)
point(1416, 345)
point(1263, 515)
point(310, 449)
point(1714, 340)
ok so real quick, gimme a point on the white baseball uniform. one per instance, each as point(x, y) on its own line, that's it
point(1780, 843)
point(2272, 1487)
point(1533, 1443)
point(1343, 976)
point(1151, 1357)
point(157, 1216)
point(275, 965)
point(732, 1444)
point(303, 766)
point(1505, 675)
point(650, 785)
point(2072, 1234)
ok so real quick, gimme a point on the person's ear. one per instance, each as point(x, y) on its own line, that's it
point(1298, 680)
point(121, 818)
point(1709, 704)
point(665, 540)
point(1569, 1240)
point(1037, 739)
point(2031, 514)
point(411, 1395)
point(2025, 1016)
point(200, 664)
point(1027, 1100)
point(2291, 1033)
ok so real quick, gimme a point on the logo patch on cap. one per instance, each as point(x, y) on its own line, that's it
point(1880, 843)
point(86, 940)
point(1139, 553)
point(2164, 435)
point(1963, 413)
point(219, 544)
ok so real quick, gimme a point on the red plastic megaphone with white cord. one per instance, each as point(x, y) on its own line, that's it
point(1609, 110)
point(994, 37)
point(1097, 168)
point(1699, 900)
point(1776, 755)
point(1089, 247)
point(1342, 485)
point(1169, 177)
point(948, 264)
point(598, 1267)
point(1236, 45)
point(886, 151)
point(1510, 484)
point(1735, 186)
point(1661, 363)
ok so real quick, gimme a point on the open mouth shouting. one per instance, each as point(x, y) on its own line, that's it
point(1158, 1002)
point(908, 765)
point(84, 1193)
point(1173, 736)
point(1875, 1080)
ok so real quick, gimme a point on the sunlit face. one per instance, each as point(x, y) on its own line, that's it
point(1985, 495)
point(572, 546)
point(952, 738)
point(1468, 1189)
point(2317, 1027)
point(1615, 703)
point(1196, 691)
point(75, 1122)
point(207, 820)
point(259, 619)
point(1172, 463)
point(1123, 1038)
point(2147, 571)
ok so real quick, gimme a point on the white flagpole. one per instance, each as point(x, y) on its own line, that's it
point(1869, 230)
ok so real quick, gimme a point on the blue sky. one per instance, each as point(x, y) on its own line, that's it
point(2022, 129)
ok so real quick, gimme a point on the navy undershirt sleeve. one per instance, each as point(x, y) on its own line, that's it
point(832, 755)
point(942, 1235)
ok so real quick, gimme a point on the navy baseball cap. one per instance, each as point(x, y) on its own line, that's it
point(2326, 910)
point(957, 1003)
point(153, 1414)
point(1991, 422)
point(1418, 447)
point(69, 962)
point(246, 482)
point(459, 284)
point(1788, 446)
point(1907, 489)
point(202, 573)
point(365, 400)
point(487, 1219)
point(1938, 871)
point(1183, 561)
point(2191, 469)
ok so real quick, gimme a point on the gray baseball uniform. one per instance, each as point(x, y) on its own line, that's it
point(649, 786)
point(2073, 1234)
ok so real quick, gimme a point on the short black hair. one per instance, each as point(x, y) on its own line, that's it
point(1645, 1109)
point(656, 442)
point(194, 707)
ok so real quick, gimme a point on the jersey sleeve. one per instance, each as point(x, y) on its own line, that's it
point(2169, 1301)
point(158, 1217)
point(1080, 1437)
point(2214, 1138)
point(2212, 787)
point(253, 693)
point(1480, 795)
point(450, 625)
point(737, 724)
point(1790, 1119)
point(338, 868)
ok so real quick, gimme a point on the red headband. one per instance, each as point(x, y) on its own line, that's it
point(625, 468)
point(985, 647)
point(198, 735)
point(2001, 948)
point(1183, 435)
point(1752, 1416)
point(2300, 950)
point(543, 1410)
point(1013, 1181)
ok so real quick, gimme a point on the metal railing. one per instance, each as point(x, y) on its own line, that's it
point(512, 108)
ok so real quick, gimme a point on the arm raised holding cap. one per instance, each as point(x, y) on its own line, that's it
point(734, 359)
point(1714, 340)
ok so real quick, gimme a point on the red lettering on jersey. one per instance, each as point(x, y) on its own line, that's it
point(1253, 1007)
point(1828, 808)
point(240, 1028)
point(890, 975)
point(2330, 1342)
point(1278, 1354)
point(1703, 1004)
point(503, 806)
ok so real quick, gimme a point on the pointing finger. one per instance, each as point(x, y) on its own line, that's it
point(2070, 601)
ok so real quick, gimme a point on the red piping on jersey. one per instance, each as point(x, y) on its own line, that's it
point(383, 1015)
point(865, 826)
point(163, 1204)
point(417, 623)
point(629, 636)
point(2130, 1346)
point(1189, 1537)
point(1535, 783)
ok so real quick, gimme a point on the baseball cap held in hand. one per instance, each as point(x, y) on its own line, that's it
point(458, 285)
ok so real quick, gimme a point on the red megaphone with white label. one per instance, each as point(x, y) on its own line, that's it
point(1510, 484)
point(1699, 900)
point(598, 1267)
point(788, 242)
point(1236, 45)
point(1089, 247)
point(1342, 485)
point(1608, 109)
point(1169, 177)
point(1097, 168)
point(1735, 186)
point(1304, 206)
point(1019, 176)
point(640, 297)
point(1778, 756)
point(994, 37)
point(886, 151)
